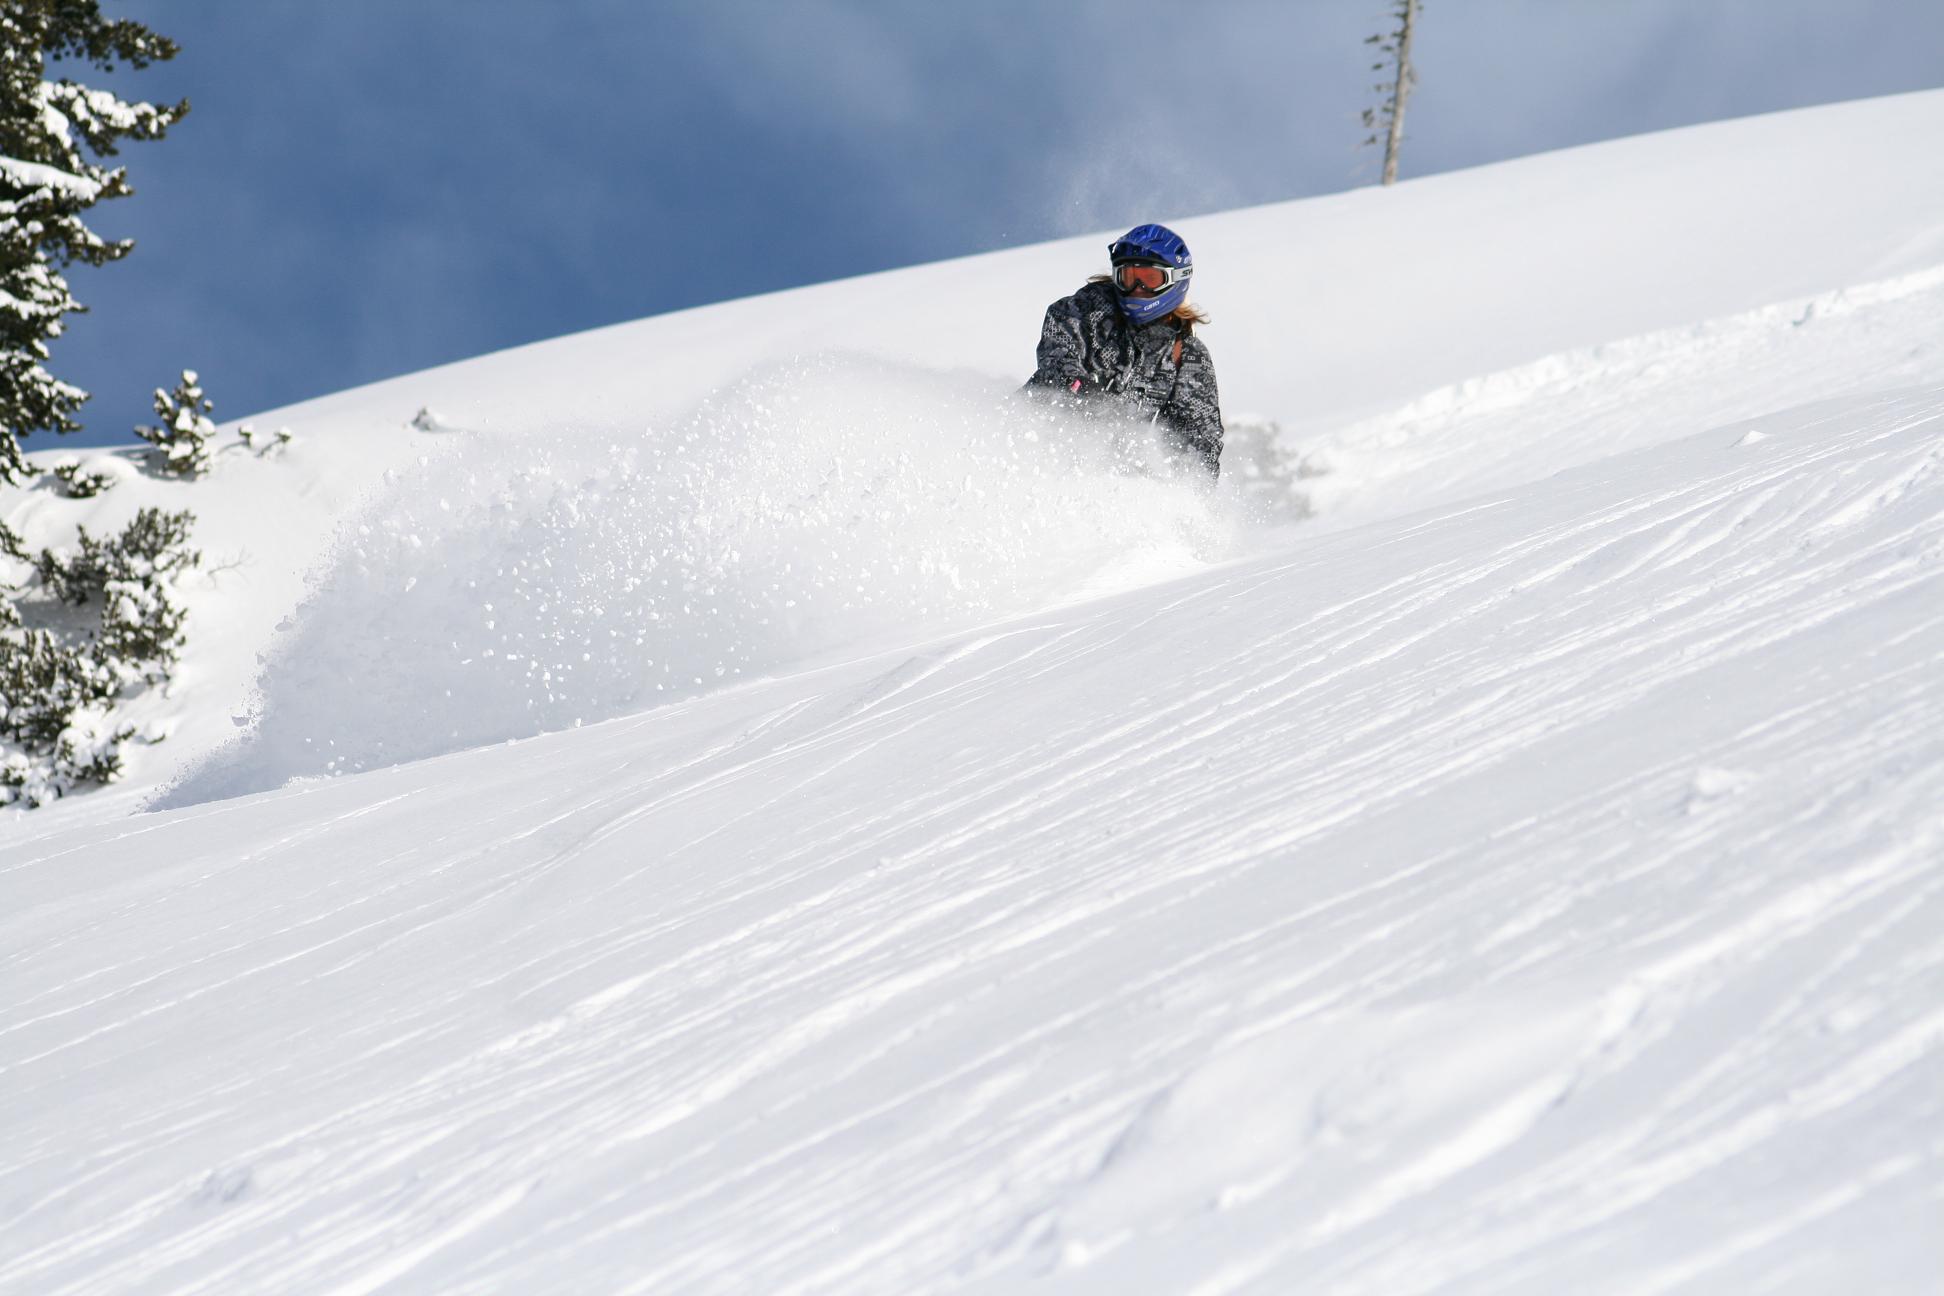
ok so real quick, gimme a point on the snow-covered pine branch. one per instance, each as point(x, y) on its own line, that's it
point(81, 480)
point(256, 443)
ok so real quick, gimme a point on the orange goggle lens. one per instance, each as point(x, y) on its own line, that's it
point(1130, 278)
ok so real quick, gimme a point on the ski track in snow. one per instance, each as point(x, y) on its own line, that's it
point(1539, 892)
point(1625, 394)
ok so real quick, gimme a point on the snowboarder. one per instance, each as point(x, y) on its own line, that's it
point(1127, 340)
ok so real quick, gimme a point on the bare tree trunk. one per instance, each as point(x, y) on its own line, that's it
point(1401, 92)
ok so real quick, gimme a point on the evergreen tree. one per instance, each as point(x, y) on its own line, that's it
point(185, 430)
point(51, 134)
point(61, 683)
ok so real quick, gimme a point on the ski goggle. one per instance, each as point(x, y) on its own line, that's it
point(1131, 276)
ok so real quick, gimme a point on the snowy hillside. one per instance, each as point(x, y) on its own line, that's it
point(855, 839)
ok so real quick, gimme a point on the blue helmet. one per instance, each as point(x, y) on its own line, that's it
point(1152, 245)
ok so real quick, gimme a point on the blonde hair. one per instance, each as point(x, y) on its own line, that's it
point(1184, 317)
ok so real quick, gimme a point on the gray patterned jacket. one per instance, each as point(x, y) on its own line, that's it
point(1087, 338)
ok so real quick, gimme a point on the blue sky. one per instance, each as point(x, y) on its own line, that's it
point(370, 187)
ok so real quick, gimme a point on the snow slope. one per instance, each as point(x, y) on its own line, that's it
point(1522, 876)
point(1331, 314)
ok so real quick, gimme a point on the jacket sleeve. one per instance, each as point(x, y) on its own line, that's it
point(1062, 348)
point(1194, 414)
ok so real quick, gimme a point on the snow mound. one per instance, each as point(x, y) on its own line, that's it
point(1350, 1115)
point(535, 582)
